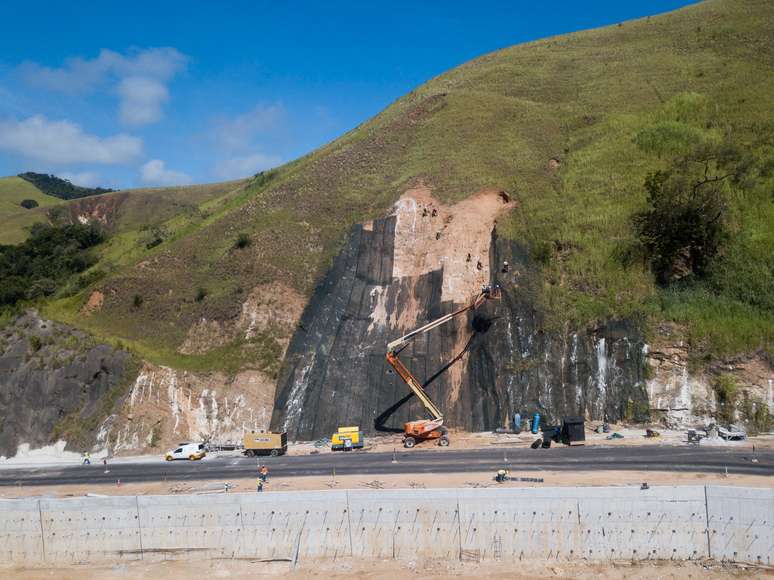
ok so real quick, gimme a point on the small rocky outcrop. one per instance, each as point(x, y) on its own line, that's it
point(56, 383)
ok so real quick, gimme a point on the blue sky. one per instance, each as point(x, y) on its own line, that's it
point(154, 93)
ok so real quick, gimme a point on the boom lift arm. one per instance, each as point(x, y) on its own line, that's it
point(429, 429)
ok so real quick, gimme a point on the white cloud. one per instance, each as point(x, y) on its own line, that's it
point(140, 78)
point(243, 166)
point(154, 172)
point(236, 134)
point(62, 142)
point(141, 100)
point(84, 178)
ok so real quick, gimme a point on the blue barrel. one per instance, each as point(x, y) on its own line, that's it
point(517, 422)
point(535, 423)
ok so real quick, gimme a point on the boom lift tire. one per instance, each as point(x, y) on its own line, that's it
point(443, 441)
point(409, 442)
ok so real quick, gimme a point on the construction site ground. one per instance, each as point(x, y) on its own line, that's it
point(422, 478)
point(387, 570)
point(632, 436)
point(402, 481)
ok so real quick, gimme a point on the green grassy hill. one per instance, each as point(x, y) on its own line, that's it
point(14, 218)
point(557, 122)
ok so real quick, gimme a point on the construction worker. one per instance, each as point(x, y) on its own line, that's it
point(502, 475)
point(263, 473)
point(86, 458)
point(259, 485)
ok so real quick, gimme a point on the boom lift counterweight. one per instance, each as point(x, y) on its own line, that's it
point(433, 428)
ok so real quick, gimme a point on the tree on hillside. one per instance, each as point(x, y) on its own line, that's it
point(45, 261)
point(61, 188)
point(29, 203)
point(685, 221)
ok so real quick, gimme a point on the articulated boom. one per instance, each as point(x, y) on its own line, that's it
point(429, 428)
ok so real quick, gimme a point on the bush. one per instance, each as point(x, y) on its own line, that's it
point(157, 237)
point(668, 138)
point(155, 438)
point(726, 391)
point(542, 252)
point(29, 203)
point(35, 343)
point(137, 301)
point(242, 241)
point(761, 418)
point(685, 222)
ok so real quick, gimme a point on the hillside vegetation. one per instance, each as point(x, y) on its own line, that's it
point(61, 188)
point(572, 127)
point(13, 217)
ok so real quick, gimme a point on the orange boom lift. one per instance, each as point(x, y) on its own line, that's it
point(433, 428)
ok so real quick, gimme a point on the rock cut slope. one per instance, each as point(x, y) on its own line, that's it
point(422, 261)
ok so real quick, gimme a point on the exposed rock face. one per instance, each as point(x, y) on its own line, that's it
point(54, 383)
point(412, 267)
point(165, 407)
point(679, 397)
point(273, 308)
point(102, 209)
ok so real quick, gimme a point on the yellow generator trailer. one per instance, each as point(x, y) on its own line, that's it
point(265, 443)
point(346, 439)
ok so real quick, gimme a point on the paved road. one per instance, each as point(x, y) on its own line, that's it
point(519, 459)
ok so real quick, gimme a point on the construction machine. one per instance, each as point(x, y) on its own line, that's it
point(432, 428)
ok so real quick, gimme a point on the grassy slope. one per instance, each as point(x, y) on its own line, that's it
point(14, 218)
point(495, 121)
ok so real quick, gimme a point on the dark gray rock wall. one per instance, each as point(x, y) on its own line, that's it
point(335, 373)
point(53, 377)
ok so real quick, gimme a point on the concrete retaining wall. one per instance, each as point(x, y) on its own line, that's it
point(725, 523)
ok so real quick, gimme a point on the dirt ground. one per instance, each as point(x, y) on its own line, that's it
point(388, 570)
point(632, 436)
point(397, 481)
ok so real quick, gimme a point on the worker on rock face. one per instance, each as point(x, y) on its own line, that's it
point(506, 267)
